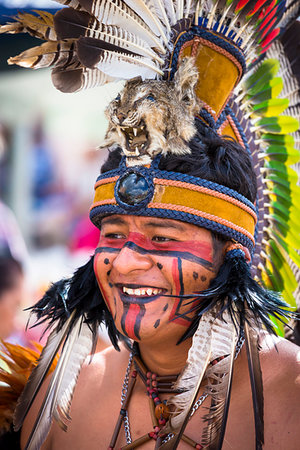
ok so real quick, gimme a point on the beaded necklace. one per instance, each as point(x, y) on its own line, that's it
point(159, 410)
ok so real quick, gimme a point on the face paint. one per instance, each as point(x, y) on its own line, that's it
point(149, 259)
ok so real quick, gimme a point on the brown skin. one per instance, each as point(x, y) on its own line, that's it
point(96, 402)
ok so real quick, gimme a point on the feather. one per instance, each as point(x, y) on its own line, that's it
point(48, 54)
point(76, 78)
point(179, 9)
point(122, 65)
point(40, 26)
point(72, 353)
point(169, 6)
point(145, 10)
point(118, 13)
point(77, 355)
point(160, 11)
point(39, 373)
point(252, 346)
point(74, 24)
point(76, 4)
point(190, 380)
point(219, 377)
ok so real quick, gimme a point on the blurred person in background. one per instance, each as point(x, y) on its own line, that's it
point(11, 293)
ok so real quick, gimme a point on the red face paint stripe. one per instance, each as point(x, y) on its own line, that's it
point(131, 318)
point(201, 249)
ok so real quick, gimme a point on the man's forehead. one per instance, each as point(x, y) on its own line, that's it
point(147, 222)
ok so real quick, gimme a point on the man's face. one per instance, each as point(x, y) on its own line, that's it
point(145, 266)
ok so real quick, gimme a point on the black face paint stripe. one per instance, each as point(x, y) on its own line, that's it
point(123, 318)
point(181, 293)
point(183, 255)
point(166, 307)
point(137, 324)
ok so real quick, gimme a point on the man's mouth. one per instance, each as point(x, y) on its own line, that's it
point(143, 291)
point(140, 294)
point(136, 139)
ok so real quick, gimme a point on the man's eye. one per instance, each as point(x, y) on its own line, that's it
point(162, 239)
point(114, 236)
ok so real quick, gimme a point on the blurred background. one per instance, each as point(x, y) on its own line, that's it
point(48, 164)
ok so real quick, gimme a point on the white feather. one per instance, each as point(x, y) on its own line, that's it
point(127, 67)
point(39, 373)
point(122, 38)
point(190, 379)
point(144, 8)
point(118, 13)
point(79, 351)
point(169, 6)
point(58, 382)
point(161, 13)
point(179, 9)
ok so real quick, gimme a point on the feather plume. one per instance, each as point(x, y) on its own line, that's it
point(69, 364)
point(71, 24)
point(169, 6)
point(77, 355)
point(219, 380)
point(145, 9)
point(190, 379)
point(40, 372)
point(252, 346)
point(40, 26)
point(76, 4)
point(118, 13)
point(77, 77)
point(19, 363)
point(46, 55)
point(91, 54)
point(161, 13)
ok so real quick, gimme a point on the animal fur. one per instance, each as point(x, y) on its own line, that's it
point(161, 113)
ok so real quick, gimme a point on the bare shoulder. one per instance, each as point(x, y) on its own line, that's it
point(280, 359)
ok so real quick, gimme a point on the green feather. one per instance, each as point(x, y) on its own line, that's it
point(278, 125)
point(272, 107)
point(278, 139)
point(284, 154)
point(263, 74)
point(270, 90)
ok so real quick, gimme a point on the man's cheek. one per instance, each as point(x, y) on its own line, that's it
point(102, 271)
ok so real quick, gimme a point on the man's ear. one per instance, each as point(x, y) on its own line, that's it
point(185, 80)
point(229, 245)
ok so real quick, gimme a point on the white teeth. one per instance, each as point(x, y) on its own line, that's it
point(134, 131)
point(141, 292)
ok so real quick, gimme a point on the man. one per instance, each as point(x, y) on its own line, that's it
point(180, 222)
point(137, 267)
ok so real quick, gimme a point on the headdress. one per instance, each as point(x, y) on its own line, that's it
point(219, 60)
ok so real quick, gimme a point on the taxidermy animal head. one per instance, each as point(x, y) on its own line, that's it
point(151, 117)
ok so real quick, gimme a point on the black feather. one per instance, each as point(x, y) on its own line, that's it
point(235, 289)
point(80, 292)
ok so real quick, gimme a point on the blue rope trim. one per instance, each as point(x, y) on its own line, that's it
point(215, 39)
point(206, 115)
point(99, 212)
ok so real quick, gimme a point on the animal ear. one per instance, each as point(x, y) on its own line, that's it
point(185, 80)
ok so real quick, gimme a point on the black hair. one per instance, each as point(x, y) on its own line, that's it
point(10, 270)
point(213, 158)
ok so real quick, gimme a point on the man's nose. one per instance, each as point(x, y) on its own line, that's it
point(129, 260)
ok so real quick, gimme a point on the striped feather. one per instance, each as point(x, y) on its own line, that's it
point(40, 372)
point(45, 55)
point(118, 13)
point(40, 26)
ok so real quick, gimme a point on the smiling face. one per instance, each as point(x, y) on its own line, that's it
point(144, 267)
